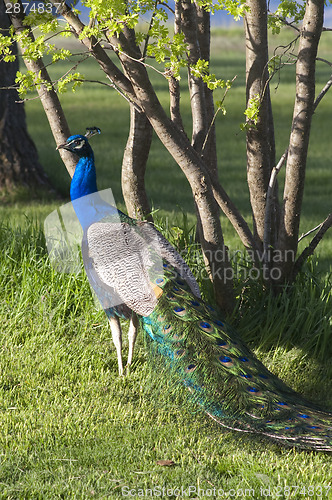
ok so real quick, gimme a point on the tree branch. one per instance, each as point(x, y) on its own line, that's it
point(324, 60)
point(150, 26)
point(309, 250)
point(270, 205)
point(288, 24)
point(110, 69)
point(322, 93)
point(188, 160)
point(209, 148)
point(174, 101)
point(176, 142)
point(304, 235)
point(273, 178)
point(233, 215)
point(211, 129)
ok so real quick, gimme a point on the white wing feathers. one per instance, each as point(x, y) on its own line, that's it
point(122, 259)
point(128, 258)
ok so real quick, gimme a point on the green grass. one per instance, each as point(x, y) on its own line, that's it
point(70, 427)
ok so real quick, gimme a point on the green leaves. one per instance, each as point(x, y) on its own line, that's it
point(288, 9)
point(75, 79)
point(164, 48)
point(6, 48)
point(33, 49)
point(274, 64)
point(252, 112)
point(201, 70)
point(160, 46)
point(221, 107)
point(112, 17)
point(44, 20)
point(27, 82)
point(235, 8)
point(61, 55)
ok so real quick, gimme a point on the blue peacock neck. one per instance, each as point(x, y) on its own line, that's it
point(84, 181)
point(88, 205)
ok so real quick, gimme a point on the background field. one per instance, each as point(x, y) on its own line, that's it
point(70, 428)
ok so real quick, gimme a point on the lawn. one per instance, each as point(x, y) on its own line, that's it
point(70, 427)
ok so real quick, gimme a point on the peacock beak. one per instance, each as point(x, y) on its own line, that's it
point(63, 146)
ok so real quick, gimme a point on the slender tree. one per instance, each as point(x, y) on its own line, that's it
point(134, 164)
point(19, 163)
point(260, 138)
point(299, 138)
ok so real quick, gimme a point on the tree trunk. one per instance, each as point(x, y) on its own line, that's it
point(134, 164)
point(47, 94)
point(196, 29)
point(204, 40)
point(173, 83)
point(19, 164)
point(195, 84)
point(260, 138)
point(299, 138)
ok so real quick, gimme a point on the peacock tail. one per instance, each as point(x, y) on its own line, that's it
point(204, 354)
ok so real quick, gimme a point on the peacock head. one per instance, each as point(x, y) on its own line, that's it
point(79, 144)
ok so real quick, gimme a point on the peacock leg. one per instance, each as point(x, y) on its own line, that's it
point(132, 334)
point(117, 339)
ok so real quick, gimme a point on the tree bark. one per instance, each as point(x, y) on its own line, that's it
point(173, 83)
point(96, 50)
point(204, 42)
point(194, 33)
point(195, 84)
point(260, 138)
point(19, 163)
point(299, 137)
point(134, 82)
point(134, 164)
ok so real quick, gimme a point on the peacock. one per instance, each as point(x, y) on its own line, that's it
point(137, 275)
